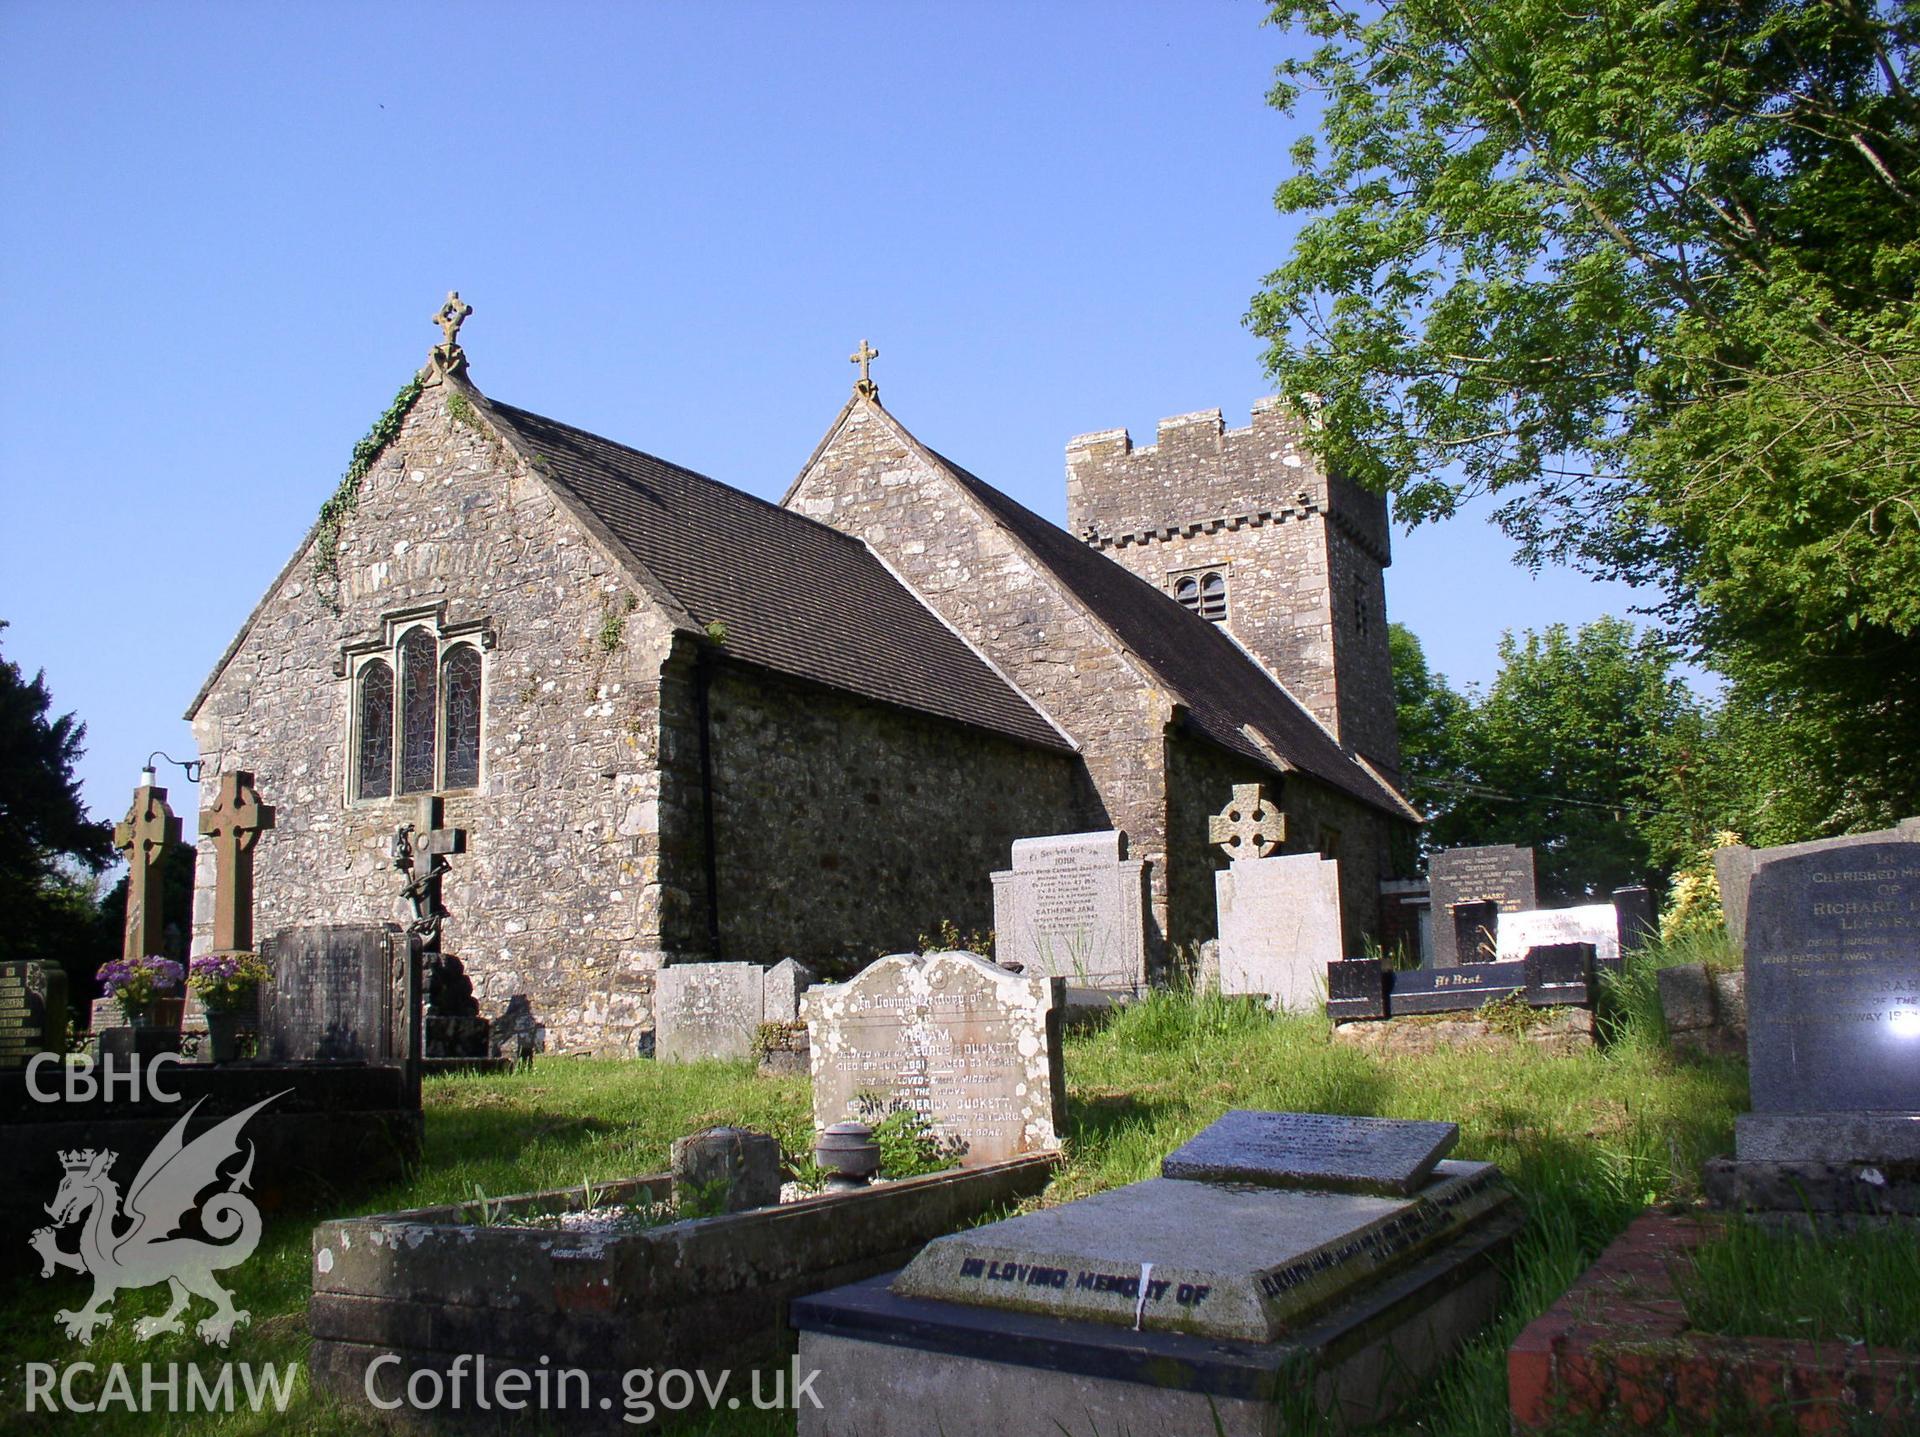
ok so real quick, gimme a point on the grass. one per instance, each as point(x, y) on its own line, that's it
point(1587, 1141)
point(1756, 1281)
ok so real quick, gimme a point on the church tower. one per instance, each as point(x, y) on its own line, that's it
point(1242, 526)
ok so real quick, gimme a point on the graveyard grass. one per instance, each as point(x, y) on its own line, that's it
point(1587, 1141)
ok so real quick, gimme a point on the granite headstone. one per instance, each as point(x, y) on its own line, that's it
point(971, 1047)
point(1734, 865)
point(1500, 874)
point(1072, 907)
point(1280, 926)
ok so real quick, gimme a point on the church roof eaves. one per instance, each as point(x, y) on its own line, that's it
point(1208, 674)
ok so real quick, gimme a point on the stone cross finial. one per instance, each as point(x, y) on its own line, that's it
point(1248, 827)
point(234, 823)
point(146, 833)
point(864, 357)
point(450, 316)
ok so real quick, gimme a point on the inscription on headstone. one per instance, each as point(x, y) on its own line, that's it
point(1833, 980)
point(971, 1047)
point(1500, 874)
point(33, 1011)
point(1595, 923)
point(1393, 1156)
point(1280, 925)
point(337, 993)
point(1071, 907)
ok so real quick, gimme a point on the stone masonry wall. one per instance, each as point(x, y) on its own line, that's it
point(869, 482)
point(850, 828)
point(1303, 552)
point(1200, 780)
point(561, 895)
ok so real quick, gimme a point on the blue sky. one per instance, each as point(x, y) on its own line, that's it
point(223, 229)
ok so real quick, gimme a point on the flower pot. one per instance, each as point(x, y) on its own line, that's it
point(168, 1011)
point(223, 1035)
point(138, 1015)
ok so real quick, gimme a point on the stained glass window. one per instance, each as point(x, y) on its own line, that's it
point(460, 705)
point(375, 724)
point(419, 696)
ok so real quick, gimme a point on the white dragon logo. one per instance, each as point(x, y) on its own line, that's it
point(147, 1252)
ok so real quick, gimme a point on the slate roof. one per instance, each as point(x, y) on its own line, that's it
point(796, 596)
point(1222, 686)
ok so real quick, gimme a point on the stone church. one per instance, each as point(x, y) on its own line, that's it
point(679, 723)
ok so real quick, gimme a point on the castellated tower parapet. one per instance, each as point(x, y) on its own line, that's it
point(1244, 526)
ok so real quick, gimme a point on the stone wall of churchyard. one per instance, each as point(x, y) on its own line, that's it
point(1302, 554)
point(868, 482)
point(850, 828)
point(1200, 780)
point(560, 897)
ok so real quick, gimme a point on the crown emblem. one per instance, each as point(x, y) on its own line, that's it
point(79, 1160)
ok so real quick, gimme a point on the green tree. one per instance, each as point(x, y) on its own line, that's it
point(1645, 270)
point(1433, 725)
point(50, 850)
point(1580, 748)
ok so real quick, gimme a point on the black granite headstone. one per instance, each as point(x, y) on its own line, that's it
point(1499, 874)
point(1453, 990)
point(1634, 916)
point(1356, 988)
point(1559, 973)
point(337, 993)
point(1476, 931)
point(33, 1011)
point(1833, 981)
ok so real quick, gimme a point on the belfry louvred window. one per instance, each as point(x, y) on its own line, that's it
point(1205, 594)
point(416, 716)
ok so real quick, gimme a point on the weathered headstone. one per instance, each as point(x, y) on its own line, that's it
point(1071, 907)
point(145, 835)
point(234, 823)
point(1833, 981)
point(1391, 1156)
point(780, 991)
point(337, 992)
point(1280, 918)
point(1500, 874)
point(724, 1170)
point(1595, 923)
point(33, 1011)
point(969, 1046)
point(707, 1010)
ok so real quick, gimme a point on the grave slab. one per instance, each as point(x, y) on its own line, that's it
point(1229, 1261)
point(1072, 907)
point(1387, 1156)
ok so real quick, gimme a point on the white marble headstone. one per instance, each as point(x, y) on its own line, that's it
point(1595, 923)
point(1071, 907)
point(1279, 928)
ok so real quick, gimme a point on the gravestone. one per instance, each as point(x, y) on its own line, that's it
point(1501, 875)
point(145, 835)
point(1595, 923)
point(1390, 1156)
point(781, 988)
point(1636, 924)
point(1220, 1299)
point(337, 992)
point(33, 1011)
point(1280, 919)
point(234, 823)
point(1734, 866)
point(1832, 949)
point(713, 1010)
point(724, 1170)
point(970, 1047)
point(1833, 981)
point(1071, 907)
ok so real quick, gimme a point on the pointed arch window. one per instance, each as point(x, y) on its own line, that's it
point(418, 707)
point(1204, 591)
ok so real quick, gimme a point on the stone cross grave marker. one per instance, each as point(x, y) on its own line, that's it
point(972, 1048)
point(145, 835)
point(1071, 907)
point(1471, 888)
point(338, 992)
point(33, 1011)
point(1280, 920)
point(234, 823)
